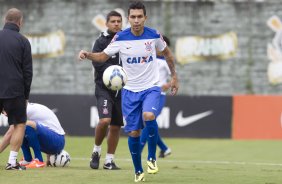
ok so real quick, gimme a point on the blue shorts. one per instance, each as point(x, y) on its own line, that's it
point(161, 104)
point(135, 103)
point(50, 141)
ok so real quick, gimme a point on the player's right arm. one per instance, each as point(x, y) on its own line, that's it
point(99, 57)
point(103, 56)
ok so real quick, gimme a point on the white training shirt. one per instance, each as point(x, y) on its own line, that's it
point(138, 56)
point(44, 116)
point(164, 72)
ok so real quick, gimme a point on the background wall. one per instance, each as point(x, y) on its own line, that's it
point(244, 74)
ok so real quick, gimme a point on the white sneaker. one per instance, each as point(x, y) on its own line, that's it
point(152, 166)
point(165, 153)
point(139, 177)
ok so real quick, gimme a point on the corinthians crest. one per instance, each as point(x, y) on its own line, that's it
point(148, 46)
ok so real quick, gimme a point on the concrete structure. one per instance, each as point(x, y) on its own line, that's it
point(246, 73)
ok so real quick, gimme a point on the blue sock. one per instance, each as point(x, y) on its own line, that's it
point(143, 138)
point(134, 148)
point(161, 144)
point(26, 151)
point(152, 127)
point(33, 142)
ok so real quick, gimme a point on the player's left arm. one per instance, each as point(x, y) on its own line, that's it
point(6, 139)
point(170, 62)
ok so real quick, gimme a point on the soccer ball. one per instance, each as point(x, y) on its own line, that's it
point(60, 160)
point(114, 77)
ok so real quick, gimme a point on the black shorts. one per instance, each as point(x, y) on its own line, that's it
point(109, 105)
point(15, 109)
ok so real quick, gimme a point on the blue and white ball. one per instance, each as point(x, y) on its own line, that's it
point(114, 77)
point(61, 159)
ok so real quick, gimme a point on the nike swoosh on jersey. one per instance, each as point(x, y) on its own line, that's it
point(184, 121)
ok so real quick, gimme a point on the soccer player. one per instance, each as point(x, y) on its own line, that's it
point(15, 80)
point(108, 101)
point(137, 47)
point(165, 85)
point(43, 133)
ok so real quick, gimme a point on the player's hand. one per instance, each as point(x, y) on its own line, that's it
point(174, 85)
point(166, 86)
point(82, 55)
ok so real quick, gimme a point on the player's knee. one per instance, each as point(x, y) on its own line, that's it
point(114, 128)
point(31, 124)
point(148, 116)
point(105, 121)
point(20, 126)
point(135, 133)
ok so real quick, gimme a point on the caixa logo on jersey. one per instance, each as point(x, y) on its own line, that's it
point(3, 121)
point(137, 60)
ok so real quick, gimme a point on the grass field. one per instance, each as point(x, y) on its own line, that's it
point(193, 161)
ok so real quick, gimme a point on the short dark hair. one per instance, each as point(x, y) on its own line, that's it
point(113, 14)
point(136, 5)
point(13, 15)
point(166, 39)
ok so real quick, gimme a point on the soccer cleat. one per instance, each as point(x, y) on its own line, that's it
point(165, 153)
point(36, 164)
point(23, 162)
point(95, 160)
point(111, 166)
point(152, 166)
point(15, 167)
point(139, 177)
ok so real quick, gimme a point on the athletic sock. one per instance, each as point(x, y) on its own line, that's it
point(143, 138)
point(161, 143)
point(26, 151)
point(109, 158)
point(97, 149)
point(134, 148)
point(32, 138)
point(13, 158)
point(152, 127)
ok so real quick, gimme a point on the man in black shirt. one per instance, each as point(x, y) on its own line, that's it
point(15, 80)
point(108, 102)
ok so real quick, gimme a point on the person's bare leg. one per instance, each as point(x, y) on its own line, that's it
point(16, 142)
point(101, 130)
point(100, 134)
point(17, 137)
point(113, 138)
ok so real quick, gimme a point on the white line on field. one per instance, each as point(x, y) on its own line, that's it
point(199, 162)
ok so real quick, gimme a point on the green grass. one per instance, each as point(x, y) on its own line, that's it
point(193, 161)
